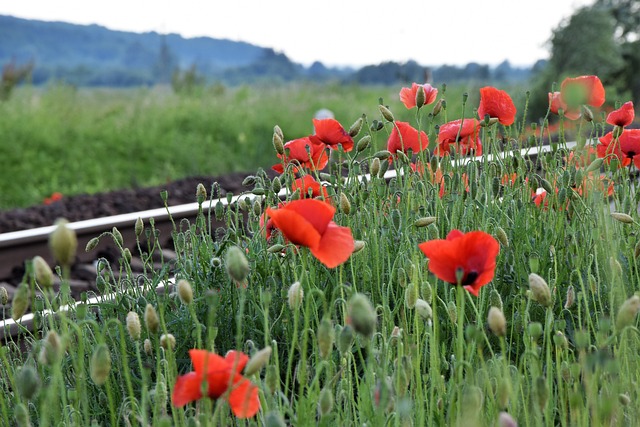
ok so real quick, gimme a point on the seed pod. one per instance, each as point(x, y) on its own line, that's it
point(100, 364)
point(43, 273)
point(133, 325)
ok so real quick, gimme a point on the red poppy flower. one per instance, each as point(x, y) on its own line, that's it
point(556, 103)
point(630, 145)
point(331, 133)
point(307, 183)
point(308, 222)
point(223, 379)
point(408, 95)
point(610, 146)
point(496, 103)
point(509, 179)
point(623, 116)
point(404, 138)
point(464, 134)
point(582, 90)
point(315, 159)
point(470, 258)
point(539, 197)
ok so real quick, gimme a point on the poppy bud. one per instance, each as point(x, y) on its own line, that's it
point(345, 205)
point(354, 130)
point(272, 379)
point(43, 273)
point(91, 244)
point(420, 97)
point(595, 165)
point(325, 401)
point(168, 341)
point(501, 235)
point(160, 390)
point(495, 300)
point(295, 295)
point(257, 208)
point(345, 339)
point(624, 399)
point(627, 312)
point(363, 143)
point(185, 293)
point(326, 337)
point(506, 420)
point(133, 325)
point(535, 330)
point(546, 185)
point(151, 319)
point(541, 393)
point(452, 312)
point(219, 210)
point(411, 295)
point(571, 297)
point(274, 419)
point(4, 296)
point(100, 364)
point(201, 193)
point(22, 415)
point(616, 268)
point(384, 166)
point(126, 255)
point(237, 264)
point(117, 236)
point(276, 185)
point(375, 166)
point(148, 348)
point(439, 106)
point(362, 315)
point(503, 392)
point(20, 301)
point(139, 227)
point(278, 143)
point(423, 309)
point(382, 154)
point(622, 217)
point(539, 290)
point(424, 221)
point(249, 181)
point(274, 249)
point(358, 245)
point(587, 113)
point(27, 382)
point(386, 113)
point(560, 340)
point(258, 361)
point(497, 322)
point(63, 243)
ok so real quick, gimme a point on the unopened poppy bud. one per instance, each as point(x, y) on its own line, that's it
point(560, 340)
point(358, 245)
point(272, 378)
point(411, 295)
point(274, 249)
point(168, 341)
point(52, 349)
point(91, 244)
point(258, 361)
point(126, 255)
point(4, 296)
point(362, 315)
point(237, 264)
point(63, 243)
point(622, 217)
point(624, 399)
point(21, 414)
point(386, 113)
point(326, 337)
point(201, 193)
point(452, 311)
point(571, 297)
point(535, 330)
point(384, 166)
point(546, 185)
point(20, 301)
point(218, 210)
point(420, 97)
point(354, 130)
point(274, 419)
point(139, 227)
point(27, 382)
point(257, 208)
point(375, 166)
point(278, 143)
point(495, 300)
point(617, 131)
point(363, 143)
point(249, 181)
point(587, 113)
point(276, 185)
point(616, 268)
point(345, 339)
point(595, 165)
point(506, 420)
point(325, 401)
point(539, 290)
point(345, 204)
point(501, 235)
point(497, 322)
point(382, 154)
point(148, 347)
point(133, 325)
point(627, 312)
point(185, 293)
point(151, 319)
point(295, 295)
point(117, 236)
point(100, 364)
point(423, 309)
point(503, 392)
point(43, 273)
point(426, 290)
point(438, 107)
point(424, 221)
point(541, 393)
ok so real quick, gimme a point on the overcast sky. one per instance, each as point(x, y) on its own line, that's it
point(336, 32)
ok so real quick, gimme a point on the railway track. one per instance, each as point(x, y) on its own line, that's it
point(20, 246)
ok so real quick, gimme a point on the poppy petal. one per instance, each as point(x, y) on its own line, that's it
point(294, 227)
point(244, 400)
point(202, 358)
point(336, 245)
point(186, 389)
point(316, 212)
point(443, 259)
point(236, 360)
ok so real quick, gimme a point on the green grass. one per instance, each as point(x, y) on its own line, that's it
point(569, 363)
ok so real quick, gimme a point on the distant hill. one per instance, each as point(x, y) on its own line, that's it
point(92, 55)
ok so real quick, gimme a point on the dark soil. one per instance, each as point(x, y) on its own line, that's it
point(89, 206)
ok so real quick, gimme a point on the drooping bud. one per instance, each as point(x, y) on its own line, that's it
point(571, 297)
point(100, 364)
point(503, 392)
point(411, 295)
point(27, 382)
point(272, 379)
point(91, 244)
point(363, 143)
point(326, 337)
point(168, 341)
point(501, 235)
point(423, 309)
point(539, 290)
point(151, 319)
point(386, 113)
point(354, 130)
point(535, 330)
point(139, 227)
point(452, 311)
point(185, 293)
point(201, 193)
point(595, 165)
point(587, 113)
point(358, 245)
point(497, 322)
point(20, 301)
point(278, 140)
point(438, 107)
point(362, 315)
point(424, 221)
point(295, 295)
point(148, 347)
point(345, 339)
point(43, 273)
point(51, 350)
point(622, 217)
point(345, 204)
point(21, 414)
point(258, 361)
point(237, 264)
point(117, 236)
point(627, 312)
point(133, 325)
point(375, 166)
point(63, 243)
point(4, 296)
point(325, 401)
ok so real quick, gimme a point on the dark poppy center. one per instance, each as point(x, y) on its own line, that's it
point(631, 154)
point(469, 278)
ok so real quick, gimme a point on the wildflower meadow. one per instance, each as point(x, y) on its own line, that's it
point(478, 270)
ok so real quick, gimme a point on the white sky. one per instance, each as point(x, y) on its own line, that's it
point(336, 32)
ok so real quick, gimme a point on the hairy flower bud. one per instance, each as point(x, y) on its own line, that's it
point(295, 295)
point(622, 217)
point(151, 319)
point(539, 290)
point(168, 341)
point(278, 143)
point(91, 244)
point(272, 379)
point(133, 325)
point(571, 297)
point(148, 347)
point(4, 296)
point(345, 339)
point(362, 315)
point(237, 264)
point(386, 113)
point(326, 337)
point(63, 243)
point(20, 301)
point(355, 128)
point(358, 245)
point(375, 166)
point(411, 295)
point(325, 401)
point(42, 271)
point(497, 322)
point(258, 361)
point(185, 293)
point(501, 235)
point(627, 312)
point(423, 309)
point(139, 227)
point(495, 300)
point(27, 382)
point(363, 143)
point(420, 97)
point(424, 221)
point(51, 350)
point(201, 193)
point(438, 107)
point(345, 204)
point(100, 365)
